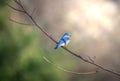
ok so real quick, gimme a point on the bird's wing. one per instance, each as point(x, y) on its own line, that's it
point(60, 43)
point(66, 40)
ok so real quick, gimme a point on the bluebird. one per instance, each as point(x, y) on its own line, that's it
point(65, 39)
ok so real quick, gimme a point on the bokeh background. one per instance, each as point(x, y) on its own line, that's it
point(94, 25)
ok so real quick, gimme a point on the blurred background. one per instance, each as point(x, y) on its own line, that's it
point(94, 25)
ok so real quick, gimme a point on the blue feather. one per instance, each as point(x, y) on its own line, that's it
point(63, 41)
point(57, 46)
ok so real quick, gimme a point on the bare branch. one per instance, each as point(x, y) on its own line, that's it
point(69, 51)
point(95, 64)
point(90, 59)
point(19, 22)
point(33, 11)
point(16, 2)
point(68, 71)
point(20, 4)
point(15, 8)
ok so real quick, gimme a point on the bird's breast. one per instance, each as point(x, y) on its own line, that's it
point(67, 42)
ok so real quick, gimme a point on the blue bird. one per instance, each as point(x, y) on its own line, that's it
point(63, 41)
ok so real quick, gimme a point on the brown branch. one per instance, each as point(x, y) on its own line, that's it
point(95, 64)
point(16, 1)
point(90, 59)
point(71, 52)
point(68, 71)
point(19, 22)
point(33, 11)
point(15, 8)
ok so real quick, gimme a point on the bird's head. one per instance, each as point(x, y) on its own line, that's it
point(67, 35)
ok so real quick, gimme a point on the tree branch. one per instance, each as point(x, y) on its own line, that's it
point(69, 51)
point(14, 8)
point(68, 71)
point(19, 22)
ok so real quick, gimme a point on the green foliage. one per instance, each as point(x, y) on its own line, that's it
point(3, 3)
point(21, 54)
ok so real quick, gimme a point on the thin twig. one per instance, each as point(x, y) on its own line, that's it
point(33, 11)
point(16, 2)
point(15, 8)
point(95, 64)
point(68, 71)
point(71, 52)
point(19, 22)
point(90, 59)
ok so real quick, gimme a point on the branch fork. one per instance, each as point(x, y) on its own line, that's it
point(89, 60)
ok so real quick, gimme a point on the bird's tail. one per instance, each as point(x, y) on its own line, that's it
point(57, 46)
